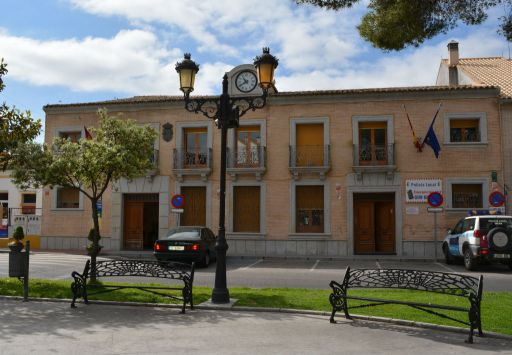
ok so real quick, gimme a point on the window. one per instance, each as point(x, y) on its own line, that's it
point(309, 209)
point(73, 136)
point(465, 128)
point(372, 143)
point(248, 142)
point(467, 196)
point(246, 209)
point(28, 203)
point(196, 148)
point(67, 197)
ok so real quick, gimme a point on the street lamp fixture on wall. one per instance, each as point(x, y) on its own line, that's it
point(226, 112)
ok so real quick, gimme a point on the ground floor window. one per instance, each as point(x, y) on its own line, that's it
point(309, 209)
point(467, 196)
point(194, 210)
point(246, 209)
point(67, 197)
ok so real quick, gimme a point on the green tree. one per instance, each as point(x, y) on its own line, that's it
point(118, 149)
point(396, 24)
point(15, 126)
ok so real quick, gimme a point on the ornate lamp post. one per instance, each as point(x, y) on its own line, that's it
point(226, 111)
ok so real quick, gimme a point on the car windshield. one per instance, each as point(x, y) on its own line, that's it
point(489, 223)
point(183, 234)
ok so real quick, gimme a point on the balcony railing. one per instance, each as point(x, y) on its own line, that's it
point(374, 155)
point(251, 161)
point(309, 159)
point(252, 158)
point(187, 162)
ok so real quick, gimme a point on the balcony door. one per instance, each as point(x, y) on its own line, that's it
point(248, 141)
point(372, 143)
point(310, 145)
point(196, 147)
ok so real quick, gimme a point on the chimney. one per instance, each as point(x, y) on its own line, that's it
point(453, 60)
point(453, 53)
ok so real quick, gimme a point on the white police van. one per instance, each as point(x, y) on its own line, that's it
point(476, 239)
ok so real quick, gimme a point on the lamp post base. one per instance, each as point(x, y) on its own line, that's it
point(220, 295)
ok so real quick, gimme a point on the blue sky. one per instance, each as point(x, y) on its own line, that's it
point(67, 51)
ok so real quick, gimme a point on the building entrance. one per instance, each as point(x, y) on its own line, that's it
point(374, 223)
point(140, 221)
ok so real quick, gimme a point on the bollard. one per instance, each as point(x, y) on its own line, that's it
point(19, 267)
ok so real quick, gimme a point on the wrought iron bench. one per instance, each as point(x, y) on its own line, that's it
point(437, 282)
point(142, 268)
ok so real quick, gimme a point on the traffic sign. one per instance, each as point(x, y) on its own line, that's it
point(435, 199)
point(178, 201)
point(496, 199)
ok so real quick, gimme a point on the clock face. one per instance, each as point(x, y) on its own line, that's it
point(246, 81)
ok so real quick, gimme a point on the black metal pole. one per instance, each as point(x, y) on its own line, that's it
point(220, 293)
point(25, 278)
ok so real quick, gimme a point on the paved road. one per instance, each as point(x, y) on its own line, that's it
point(251, 272)
point(54, 328)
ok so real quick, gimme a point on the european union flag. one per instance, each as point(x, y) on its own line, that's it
point(432, 141)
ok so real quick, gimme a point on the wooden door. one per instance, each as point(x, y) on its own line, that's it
point(364, 227)
point(194, 213)
point(133, 224)
point(384, 227)
point(246, 209)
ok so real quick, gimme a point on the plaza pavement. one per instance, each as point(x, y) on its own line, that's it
point(42, 327)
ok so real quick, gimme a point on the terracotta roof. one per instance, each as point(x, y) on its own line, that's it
point(495, 71)
point(169, 98)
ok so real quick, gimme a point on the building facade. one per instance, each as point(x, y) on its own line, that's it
point(320, 174)
point(19, 208)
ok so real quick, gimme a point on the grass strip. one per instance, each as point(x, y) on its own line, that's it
point(495, 305)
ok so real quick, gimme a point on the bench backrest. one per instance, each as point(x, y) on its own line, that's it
point(439, 282)
point(143, 268)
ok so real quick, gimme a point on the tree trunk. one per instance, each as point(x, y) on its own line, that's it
point(95, 239)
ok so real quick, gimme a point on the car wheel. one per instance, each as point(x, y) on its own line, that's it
point(206, 259)
point(448, 257)
point(470, 261)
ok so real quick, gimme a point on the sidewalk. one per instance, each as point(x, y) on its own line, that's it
point(55, 328)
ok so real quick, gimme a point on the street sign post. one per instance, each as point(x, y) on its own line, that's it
point(435, 200)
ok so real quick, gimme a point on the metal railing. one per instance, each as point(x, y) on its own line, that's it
point(255, 157)
point(309, 156)
point(184, 159)
point(372, 154)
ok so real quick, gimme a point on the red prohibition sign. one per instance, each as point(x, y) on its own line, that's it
point(435, 199)
point(178, 201)
point(497, 199)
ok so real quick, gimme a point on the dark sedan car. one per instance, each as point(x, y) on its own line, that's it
point(186, 244)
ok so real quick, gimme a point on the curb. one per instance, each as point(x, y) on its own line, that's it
point(401, 322)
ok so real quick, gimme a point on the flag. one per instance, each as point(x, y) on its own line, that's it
point(432, 141)
point(415, 140)
point(87, 134)
point(431, 138)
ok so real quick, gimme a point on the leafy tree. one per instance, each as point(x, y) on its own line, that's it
point(396, 24)
point(118, 149)
point(15, 126)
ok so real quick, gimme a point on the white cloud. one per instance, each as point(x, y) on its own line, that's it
point(131, 62)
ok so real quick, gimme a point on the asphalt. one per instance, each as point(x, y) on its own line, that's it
point(43, 327)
